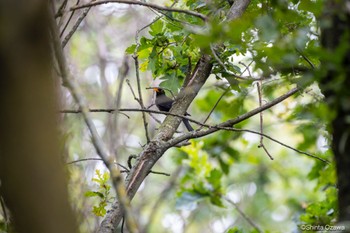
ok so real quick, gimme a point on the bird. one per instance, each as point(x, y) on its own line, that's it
point(164, 103)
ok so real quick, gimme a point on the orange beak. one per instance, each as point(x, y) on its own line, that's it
point(156, 89)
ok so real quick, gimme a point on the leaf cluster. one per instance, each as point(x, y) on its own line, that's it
point(103, 193)
point(201, 181)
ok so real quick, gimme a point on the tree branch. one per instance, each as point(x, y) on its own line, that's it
point(158, 145)
point(136, 60)
point(248, 78)
point(101, 149)
point(75, 26)
point(151, 5)
point(232, 122)
point(215, 105)
point(261, 145)
point(198, 134)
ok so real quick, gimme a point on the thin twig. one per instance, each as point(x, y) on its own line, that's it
point(139, 100)
point(147, 25)
point(168, 16)
point(272, 139)
point(211, 129)
point(237, 119)
point(61, 8)
point(135, 56)
point(120, 165)
point(244, 215)
point(228, 71)
point(227, 125)
point(101, 149)
point(123, 72)
point(159, 173)
point(75, 26)
point(130, 158)
point(111, 110)
point(262, 122)
point(265, 149)
point(164, 88)
point(155, 119)
point(306, 59)
point(151, 5)
point(246, 68)
point(95, 159)
point(68, 21)
point(281, 143)
point(215, 105)
point(132, 90)
point(145, 123)
point(217, 57)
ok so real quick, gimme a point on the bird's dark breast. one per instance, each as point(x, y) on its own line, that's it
point(164, 103)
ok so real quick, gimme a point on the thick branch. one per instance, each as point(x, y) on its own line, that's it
point(237, 9)
point(232, 122)
point(157, 146)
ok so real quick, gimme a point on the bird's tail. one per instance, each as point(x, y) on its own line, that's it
point(187, 124)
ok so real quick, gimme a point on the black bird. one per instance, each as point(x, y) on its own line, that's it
point(164, 103)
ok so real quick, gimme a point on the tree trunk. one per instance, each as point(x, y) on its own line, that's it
point(335, 86)
point(31, 172)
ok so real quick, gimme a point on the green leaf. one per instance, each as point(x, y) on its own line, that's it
point(156, 28)
point(94, 194)
point(234, 83)
point(99, 210)
point(215, 178)
point(171, 82)
point(311, 6)
point(315, 171)
point(131, 49)
point(323, 212)
point(235, 230)
point(224, 166)
point(216, 200)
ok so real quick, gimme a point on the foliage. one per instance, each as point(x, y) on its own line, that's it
point(323, 212)
point(103, 193)
point(3, 226)
point(282, 42)
point(201, 180)
point(275, 43)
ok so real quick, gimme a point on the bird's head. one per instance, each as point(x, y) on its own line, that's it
point(158, 90)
